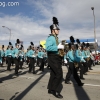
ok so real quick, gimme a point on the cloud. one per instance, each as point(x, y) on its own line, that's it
point(24, 28)
point(75, 18)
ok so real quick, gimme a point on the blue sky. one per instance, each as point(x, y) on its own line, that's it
point(30, 20)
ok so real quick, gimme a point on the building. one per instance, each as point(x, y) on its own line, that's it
point(93, 45)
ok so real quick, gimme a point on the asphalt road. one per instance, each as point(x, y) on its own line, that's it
point(34, 87)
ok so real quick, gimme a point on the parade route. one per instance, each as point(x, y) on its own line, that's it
point(28, 86)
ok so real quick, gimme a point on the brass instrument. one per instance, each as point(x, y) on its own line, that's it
point(75, 64)
point(18, 54)
point(88, 58)
point(61, 52)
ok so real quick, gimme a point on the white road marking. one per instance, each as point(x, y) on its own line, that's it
point(28, 77)
point(92, 85)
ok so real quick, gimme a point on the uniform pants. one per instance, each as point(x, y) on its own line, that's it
point(38, 61)
point(16, 60)
point(85, 67)
point(3, 59)
point(89, 64)
point(42, 64)
point(72, 70)
point(9, 60)
point(20, 64)
point(27, 60)
point(12, 61)
point(32, 61)
point(56, 74)
point(45, 61)
point(81, 69)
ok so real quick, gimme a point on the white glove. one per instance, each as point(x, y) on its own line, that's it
point(82, 60)
point(65, 61)
point(33, 56)
point(15, 55)
point(60, 46)
point(9, 53)
point(88, 56)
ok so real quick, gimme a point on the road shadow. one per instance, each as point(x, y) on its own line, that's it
point(2, 70)
point(80, 92)
point(20, 96)
point(10, 76)
point(12, 98)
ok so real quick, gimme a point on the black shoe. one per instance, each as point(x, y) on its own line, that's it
point(42, 70)
point(67, 82)
point(81, 84)
point(0, 81)
point(90, 69)
point(82, 78)
point(8, 69)
point(29, 71)
point(50, 91)
point(39, 69)
point(57, 95)
point(16, 74)
point(20, 68)
point(85, 74)
point(34, 72)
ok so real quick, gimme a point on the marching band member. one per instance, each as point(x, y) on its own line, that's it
point(87, 54)
point(26, 56)
point(83, 48)
point(79, 58)
point(16, 56)
point(12, 61)
point(41, 59)
point(2, 55)
point(45, 57)
point(65, 60)
point(0, 58)
point(8, 55)
point(38, 59)
point(92, 59)
point(54, 60)
point(21, 57)
point(71, 60)
point(31, 55)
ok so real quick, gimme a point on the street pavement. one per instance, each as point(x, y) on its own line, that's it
point(28, 86)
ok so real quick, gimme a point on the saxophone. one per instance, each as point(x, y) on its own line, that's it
point(19, 53)
point(75, 64)
point(88, 58)
point(61, 52)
